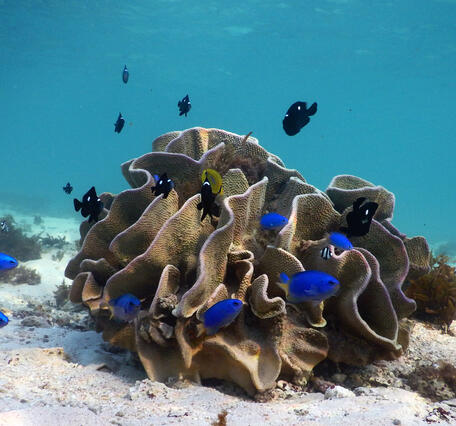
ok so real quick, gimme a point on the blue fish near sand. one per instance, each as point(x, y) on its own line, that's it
point(125, 307)
point(221, 314)
point(3, 319)
point(273, 221)
point(7, 262)
point(340, 241)
point(309, 286)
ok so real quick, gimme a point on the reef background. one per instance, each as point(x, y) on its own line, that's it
point(382, 75)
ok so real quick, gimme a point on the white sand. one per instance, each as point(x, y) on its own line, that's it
point(54, 375)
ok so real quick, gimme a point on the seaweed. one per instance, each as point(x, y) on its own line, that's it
point(57, 257)
point(221, 419)
point(53, 242)
point(435, 292)
point(21, 275)
point(61, 294)
point(15, 243)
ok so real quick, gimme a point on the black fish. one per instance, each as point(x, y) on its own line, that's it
point(4, 226)
point(297, 117)
point(326, 253)
point(184, 106)
point(208, 200)
point(90, 206)
point(68, 188)
point(118, 125)
point(125, 75)
point(163, 185)
point(359, 220)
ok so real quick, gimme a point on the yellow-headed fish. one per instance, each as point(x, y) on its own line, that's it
point(214, 179)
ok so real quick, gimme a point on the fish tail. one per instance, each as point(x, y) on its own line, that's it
point(312, 109)
point(283, 283)
point(204, 215)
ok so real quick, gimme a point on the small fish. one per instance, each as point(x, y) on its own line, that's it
point(7, 262)
point(163, 185)
point(125, 75)
point(125, 307)
point(118, 125)
point(3, 319)
point(309, 286)
point(340, 241)
point(184, 106)
point(359, 220)
point(90, 205)
point(273, 221)
point(67, 188)
point(4, 226)
point(207, 203)
point(214, 179)
point(326, 253)
point(297, 117)
point(221, 314)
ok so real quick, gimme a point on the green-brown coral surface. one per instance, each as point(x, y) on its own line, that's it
point(159, 250)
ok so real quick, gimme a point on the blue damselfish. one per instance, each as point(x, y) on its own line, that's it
point(340, 241)
point(309, 286)
point(7, 262)
point(221, 314)
point(125, 307)
point(273, 221)
point(3, 319)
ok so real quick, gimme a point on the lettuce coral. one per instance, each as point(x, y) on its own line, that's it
point(159, 250)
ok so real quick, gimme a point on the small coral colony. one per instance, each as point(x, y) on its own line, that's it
point(220, 262)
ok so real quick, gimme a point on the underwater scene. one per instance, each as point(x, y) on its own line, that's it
point(220, 213)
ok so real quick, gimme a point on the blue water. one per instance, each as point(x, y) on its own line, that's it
point(383, 77)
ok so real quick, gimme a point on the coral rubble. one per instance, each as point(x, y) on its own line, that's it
point(159, 250)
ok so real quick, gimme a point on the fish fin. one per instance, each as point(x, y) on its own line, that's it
point(312, 109)
point(284, 278)
point(200, 330)
point(77, 204)
point(358, 202)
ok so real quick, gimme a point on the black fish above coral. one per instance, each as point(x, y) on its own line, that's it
point(359, 220)
point(118, 125)
point(90, 205)
point(207, 203)
point(184, 106)
point(297, 117)
point(67, 188)
point(125, 75)
point(163, 185)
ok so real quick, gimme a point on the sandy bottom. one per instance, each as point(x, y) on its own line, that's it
point(55, 371)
